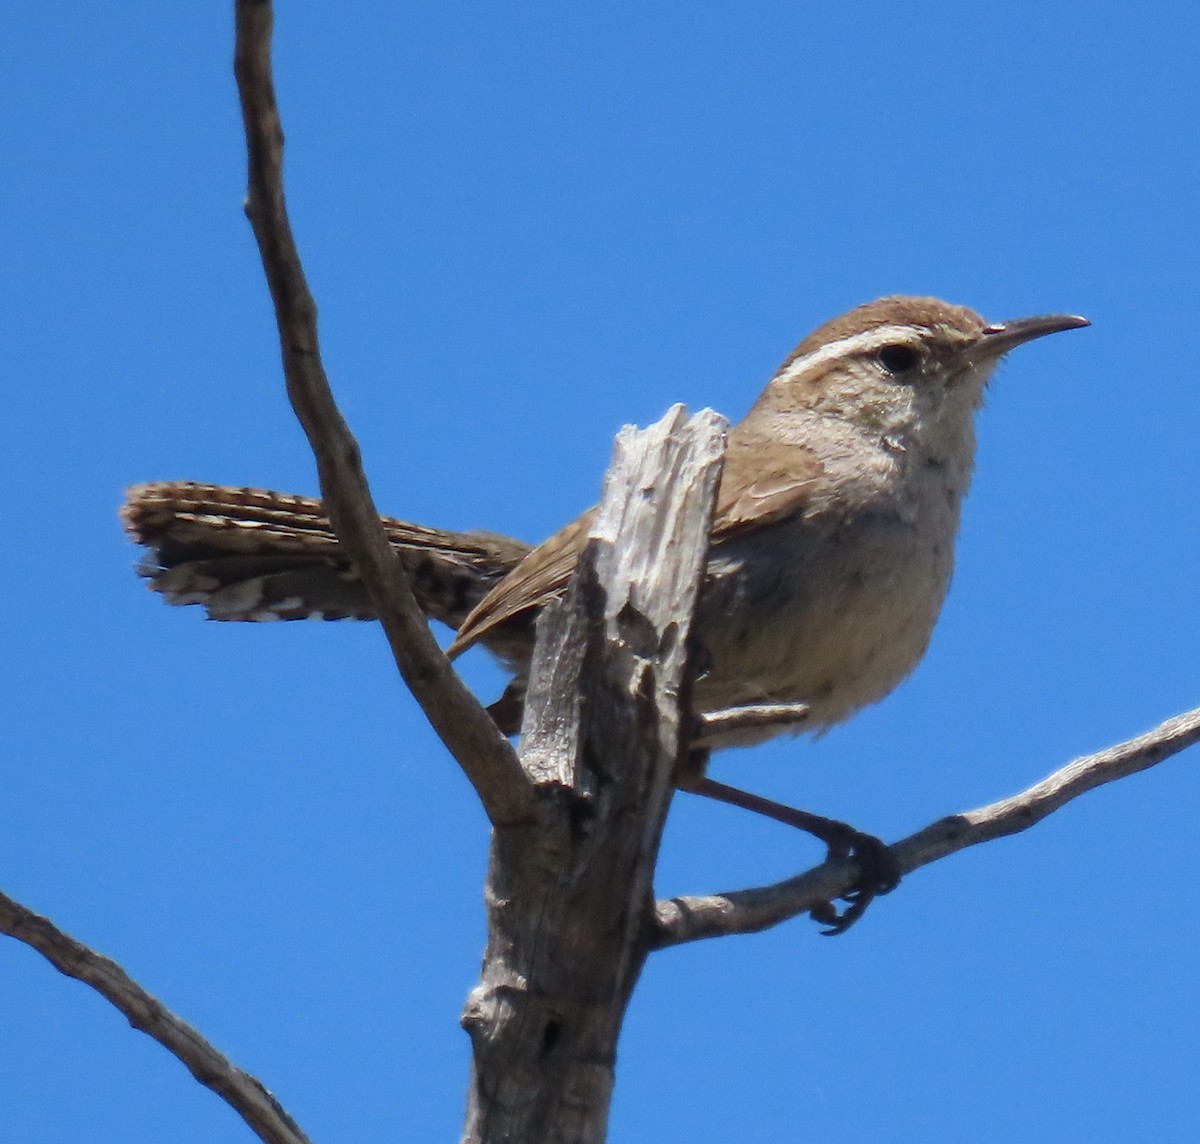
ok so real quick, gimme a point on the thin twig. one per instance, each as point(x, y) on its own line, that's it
point(242, 1092)
point(686, 919)
point(468, 732)
point(767, 718)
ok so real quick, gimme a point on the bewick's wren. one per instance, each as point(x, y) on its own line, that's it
point(832, 543)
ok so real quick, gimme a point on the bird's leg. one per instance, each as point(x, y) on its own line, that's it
point(879, 872)
point(509, 709)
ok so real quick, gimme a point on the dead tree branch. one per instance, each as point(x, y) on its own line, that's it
point(245, 1095)
point(463, 725)
point(570, 901)
point(686, 919)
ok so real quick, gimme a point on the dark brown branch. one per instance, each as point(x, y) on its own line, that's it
point(245, 1095)
point(686, 919)
point(468, 732)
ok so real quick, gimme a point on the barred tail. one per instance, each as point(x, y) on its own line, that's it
point(249, 554)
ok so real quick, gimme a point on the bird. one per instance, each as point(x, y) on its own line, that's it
point(831, 546)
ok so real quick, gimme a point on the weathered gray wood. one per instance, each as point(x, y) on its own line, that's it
point(550, 732)
point(569, 898)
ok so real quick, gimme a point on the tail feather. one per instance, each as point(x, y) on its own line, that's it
point(251, 554)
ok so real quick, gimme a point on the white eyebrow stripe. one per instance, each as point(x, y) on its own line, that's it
point(869, 340)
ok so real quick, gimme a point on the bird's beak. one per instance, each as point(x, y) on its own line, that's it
point(998, 339)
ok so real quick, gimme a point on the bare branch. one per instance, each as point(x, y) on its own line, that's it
point(245, 1095)
point(686, 919)
point(467, 730)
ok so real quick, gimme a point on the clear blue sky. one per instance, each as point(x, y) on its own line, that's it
point(526, 225)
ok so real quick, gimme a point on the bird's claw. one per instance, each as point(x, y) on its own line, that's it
point(879, 873)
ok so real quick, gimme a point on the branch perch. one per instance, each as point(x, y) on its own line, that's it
point(685, 919)
point(570, 902)
point(463, 725)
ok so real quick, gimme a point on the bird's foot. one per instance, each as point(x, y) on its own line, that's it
point(879, 873)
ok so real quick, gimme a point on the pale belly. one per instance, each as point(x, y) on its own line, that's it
point(793, 616)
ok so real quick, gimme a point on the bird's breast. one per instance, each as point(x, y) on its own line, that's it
point(833, 608)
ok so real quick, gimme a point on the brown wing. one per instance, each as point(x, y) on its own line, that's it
point(539, 578)
point(756, 489)
point(763, 481)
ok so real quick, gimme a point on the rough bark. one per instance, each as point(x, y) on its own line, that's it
point(570, 896)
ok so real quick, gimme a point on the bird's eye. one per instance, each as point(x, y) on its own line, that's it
point(898, 359)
